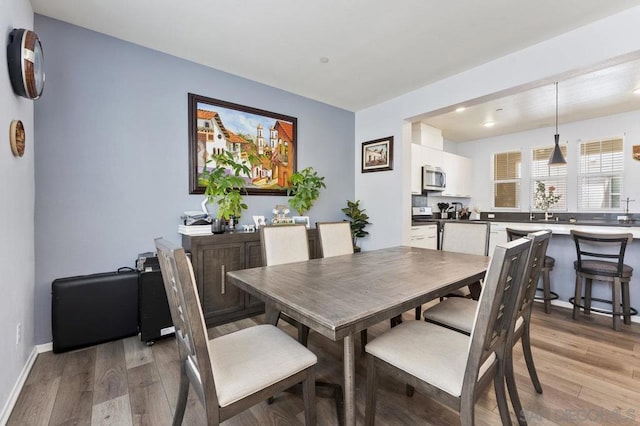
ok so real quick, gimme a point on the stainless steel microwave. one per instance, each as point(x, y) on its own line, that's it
point(433, 178)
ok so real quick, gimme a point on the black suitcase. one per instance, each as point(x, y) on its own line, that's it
point(153, 308)
point(91, 309)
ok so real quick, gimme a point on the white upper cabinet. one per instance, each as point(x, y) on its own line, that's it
point(458, 170)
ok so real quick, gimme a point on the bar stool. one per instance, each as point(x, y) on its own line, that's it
point(590, 247)
point(547, 266)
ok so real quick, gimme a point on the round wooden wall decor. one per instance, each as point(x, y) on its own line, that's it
point(17, 138)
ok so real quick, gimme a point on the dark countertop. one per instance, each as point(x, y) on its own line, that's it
point(584, 219)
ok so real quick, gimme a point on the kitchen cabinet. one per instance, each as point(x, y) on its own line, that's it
point(458, 170)
point(212, 257)
point(424, 236)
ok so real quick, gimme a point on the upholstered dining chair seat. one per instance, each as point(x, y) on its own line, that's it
point(251, 359)
point(457, 313)
point(410, 347)
point(602, 267)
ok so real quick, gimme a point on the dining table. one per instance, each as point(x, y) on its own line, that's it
point(342, 295)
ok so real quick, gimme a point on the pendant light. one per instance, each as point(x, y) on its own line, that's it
point(557, 159)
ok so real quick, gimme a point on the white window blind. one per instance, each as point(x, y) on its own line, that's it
point(506, 179)
point(600, 179)
point(551, 176)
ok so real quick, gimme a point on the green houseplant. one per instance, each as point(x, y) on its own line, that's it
point(305, 189)
point(359, 220)
point(223, 185)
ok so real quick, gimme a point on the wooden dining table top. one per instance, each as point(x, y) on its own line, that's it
point(342, 295)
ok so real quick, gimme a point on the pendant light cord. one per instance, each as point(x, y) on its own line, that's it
point(556, 107)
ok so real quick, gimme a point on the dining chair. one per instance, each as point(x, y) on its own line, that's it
point(600, 257)
point(450, 367)
point(335, 240)
point(469, 237)
point(285, 244)
point(547, 267)
point(458, 314)
point(234, 372)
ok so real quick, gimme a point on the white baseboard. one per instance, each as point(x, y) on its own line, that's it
point(46, 347)
point(17, 388)
point(567, 305)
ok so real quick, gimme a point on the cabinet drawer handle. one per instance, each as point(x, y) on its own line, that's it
point(223, 283)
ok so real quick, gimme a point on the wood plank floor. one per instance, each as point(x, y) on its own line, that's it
point(590, 375)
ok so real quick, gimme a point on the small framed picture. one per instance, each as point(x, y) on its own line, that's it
point(259, 221)
point(377, 155)
point(301, 220)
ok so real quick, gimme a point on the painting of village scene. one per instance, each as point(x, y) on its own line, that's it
point(264, 141)
point(377, 155)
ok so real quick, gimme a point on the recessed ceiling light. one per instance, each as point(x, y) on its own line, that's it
point(324, 59)
point(460, 109)
point(637, 91)
point(489, 124)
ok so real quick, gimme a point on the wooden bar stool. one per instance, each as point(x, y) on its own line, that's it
point(547, 267)
point(590, 248)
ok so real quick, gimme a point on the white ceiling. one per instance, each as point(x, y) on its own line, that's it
point(376, 49)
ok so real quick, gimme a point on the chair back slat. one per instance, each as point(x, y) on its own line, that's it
point(594, 246)
point(335, 238)
point(186, 313)
point(466, 237)
point(284, 244)
point(495, 308)
point(540, 243)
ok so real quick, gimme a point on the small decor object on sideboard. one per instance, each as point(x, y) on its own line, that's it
point(377, 155)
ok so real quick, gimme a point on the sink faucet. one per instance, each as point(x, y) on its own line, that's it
point(531, 216)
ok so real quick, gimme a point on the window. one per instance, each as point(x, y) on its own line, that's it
point(551, 176)
point(601, 175)
point(506, 179)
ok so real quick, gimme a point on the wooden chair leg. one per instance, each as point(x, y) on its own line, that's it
point(577, 296)
point(528, 357)
point(513, 390)
point(309, 397)
point(616, 291)
point(587, 295)
point(546, 290)
point(372, 384)
point(626, 303)
point(183, 394)
point(501, 397)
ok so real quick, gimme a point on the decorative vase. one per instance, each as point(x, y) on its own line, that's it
point(217, 225)
point(547, 215)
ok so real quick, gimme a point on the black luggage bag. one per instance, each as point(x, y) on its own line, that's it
point(91, 309)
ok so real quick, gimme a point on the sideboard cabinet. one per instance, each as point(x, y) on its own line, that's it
point(212, 257)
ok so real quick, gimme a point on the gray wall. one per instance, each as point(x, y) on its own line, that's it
point(111, 152)
point(16, 218)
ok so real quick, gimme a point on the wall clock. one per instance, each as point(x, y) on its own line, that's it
point(26, 63)
point(17, 138)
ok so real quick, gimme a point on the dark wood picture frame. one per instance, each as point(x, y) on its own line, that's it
point(216, 126)
point(377, 155)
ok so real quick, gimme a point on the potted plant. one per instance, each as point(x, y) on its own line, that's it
point(305, 189)
point(223, 184)
point(359, 220)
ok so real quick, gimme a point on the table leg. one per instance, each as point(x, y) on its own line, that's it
point(271, 315)
point(349, 381)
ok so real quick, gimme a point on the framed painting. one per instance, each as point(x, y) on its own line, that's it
point(377, 155)
point(266, 142)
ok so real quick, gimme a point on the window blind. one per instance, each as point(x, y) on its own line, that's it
point(550, 176)
point(600, 178)
point(506, 179)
